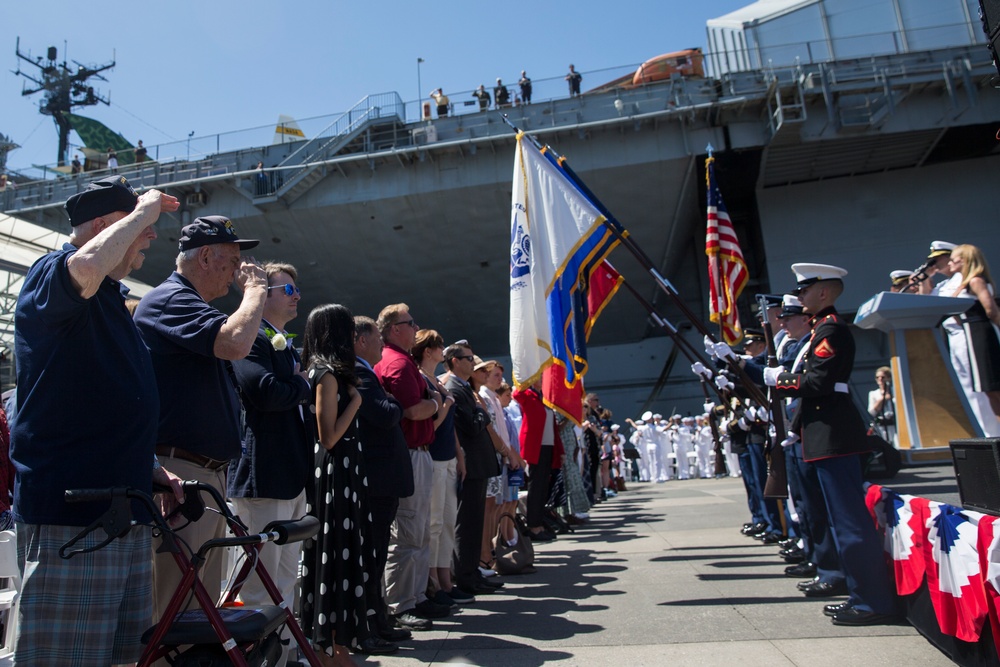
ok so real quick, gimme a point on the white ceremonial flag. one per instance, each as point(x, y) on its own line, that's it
point(557, 238)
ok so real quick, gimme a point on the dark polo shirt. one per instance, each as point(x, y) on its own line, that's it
point(86, 396)
point(199, 410)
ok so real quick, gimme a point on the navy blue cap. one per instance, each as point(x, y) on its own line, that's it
point(107, 195)
point(210, 230)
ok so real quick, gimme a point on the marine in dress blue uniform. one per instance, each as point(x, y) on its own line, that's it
point(833, 434)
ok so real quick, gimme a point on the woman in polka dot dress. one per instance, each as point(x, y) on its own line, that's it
point(339, 561)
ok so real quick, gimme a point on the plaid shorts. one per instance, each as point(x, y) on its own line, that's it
point(89, 610)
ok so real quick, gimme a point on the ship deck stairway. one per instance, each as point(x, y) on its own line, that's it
point(363, 128)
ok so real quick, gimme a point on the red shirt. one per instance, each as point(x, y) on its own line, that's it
point(400, 377)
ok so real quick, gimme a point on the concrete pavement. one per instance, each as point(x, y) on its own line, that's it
point(661, 576)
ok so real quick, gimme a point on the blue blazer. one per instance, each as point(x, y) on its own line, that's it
point(387, 458)
point(277, 461)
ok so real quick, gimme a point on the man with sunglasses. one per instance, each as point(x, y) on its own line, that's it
point(408, 566)
point(268, 481)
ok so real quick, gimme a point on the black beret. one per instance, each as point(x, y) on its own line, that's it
point(101, 197)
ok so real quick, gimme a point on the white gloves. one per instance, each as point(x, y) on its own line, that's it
point(698, 368)
point(708, 406)
point(723, 383)
point(771, 375)
point(790, 440)
point(718, 350)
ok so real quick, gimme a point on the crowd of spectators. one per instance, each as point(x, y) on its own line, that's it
point(407, 449)
point(502, 98)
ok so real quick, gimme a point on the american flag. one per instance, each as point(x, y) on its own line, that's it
point(727, 272)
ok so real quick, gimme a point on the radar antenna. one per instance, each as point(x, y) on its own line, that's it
point(64, 88)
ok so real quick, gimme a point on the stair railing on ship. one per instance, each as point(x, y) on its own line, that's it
point(335, 135)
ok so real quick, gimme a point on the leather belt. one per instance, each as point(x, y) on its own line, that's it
point(190, 457)
point(421, 448)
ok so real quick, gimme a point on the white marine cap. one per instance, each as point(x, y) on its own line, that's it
point(939, 248)
point(615, 427)
point(647, 415)
point(807, 274)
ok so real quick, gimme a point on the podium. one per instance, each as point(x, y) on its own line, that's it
point(931, 407)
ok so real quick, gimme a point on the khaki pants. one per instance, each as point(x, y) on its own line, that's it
point(408, 567)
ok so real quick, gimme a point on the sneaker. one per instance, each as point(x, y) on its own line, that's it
point(429, 609)
point(459, 597)
point(444, 599)
point(407, 620)
point(487, 572)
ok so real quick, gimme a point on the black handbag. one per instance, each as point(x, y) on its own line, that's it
point(512, 559)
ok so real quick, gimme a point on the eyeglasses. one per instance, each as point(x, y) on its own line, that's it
point(464, 356)
point(409, 323)
point(289, 288)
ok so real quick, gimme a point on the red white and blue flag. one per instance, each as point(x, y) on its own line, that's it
point(954, 573)
point(727, 270)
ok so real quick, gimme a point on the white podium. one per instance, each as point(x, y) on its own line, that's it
point(931, 407)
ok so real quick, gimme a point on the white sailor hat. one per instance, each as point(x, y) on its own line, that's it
point(675, 417)
point(647, 415)
point(939, 248)
point(640, 422)
point(687, 420)
point(657, 416)
point(808, 274)
point(790, 306)
point(900, 276)
point(615, 427)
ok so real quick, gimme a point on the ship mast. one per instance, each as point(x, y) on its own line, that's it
point(64, 88)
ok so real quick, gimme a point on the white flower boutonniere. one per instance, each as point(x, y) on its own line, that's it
point(279, 341)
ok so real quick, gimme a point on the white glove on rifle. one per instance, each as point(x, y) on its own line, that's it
point(790, 440)
point(771, 375)
point(709, 346)
point(708, 406)
point(723, 351)
point(721, 381)
point(698, 368)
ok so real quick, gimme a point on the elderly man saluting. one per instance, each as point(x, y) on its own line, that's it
point(86, 417)
point(191, 344)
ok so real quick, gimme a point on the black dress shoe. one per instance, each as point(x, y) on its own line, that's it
point(854, 616)
point(822, 589)
point(788, 543)
point(375, 645)
point(542, 536)
point(832, 610)
point(790, 551)
point(410, 622)
point(768, 538)
point(801, 570)
point(796, 558)
point(802, 585)
point(754, 529)
point(395, 635)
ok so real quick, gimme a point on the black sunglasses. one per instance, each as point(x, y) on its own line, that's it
point(464, 356)
point(409, 323)
point(289, 288)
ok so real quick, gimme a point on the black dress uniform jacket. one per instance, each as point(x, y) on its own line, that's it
point(278, 459)
point(827, 421)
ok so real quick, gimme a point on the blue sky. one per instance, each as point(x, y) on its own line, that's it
point(215, 66)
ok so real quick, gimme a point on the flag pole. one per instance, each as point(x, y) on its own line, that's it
point(665, 285)
point(718, 274)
